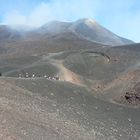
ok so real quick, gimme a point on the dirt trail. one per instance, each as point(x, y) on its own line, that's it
point(65, 74)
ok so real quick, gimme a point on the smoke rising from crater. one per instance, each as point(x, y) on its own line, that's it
point(122, 17)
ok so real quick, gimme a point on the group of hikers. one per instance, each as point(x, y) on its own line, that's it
point(26, 75)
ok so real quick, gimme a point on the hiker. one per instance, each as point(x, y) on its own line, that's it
point(33, 75)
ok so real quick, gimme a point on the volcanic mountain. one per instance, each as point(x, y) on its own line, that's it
point(65, 81)
point(84, 28)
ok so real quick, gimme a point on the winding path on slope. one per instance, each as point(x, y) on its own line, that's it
point(65, 74)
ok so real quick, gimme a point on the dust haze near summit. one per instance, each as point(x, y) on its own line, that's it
point(121, 17)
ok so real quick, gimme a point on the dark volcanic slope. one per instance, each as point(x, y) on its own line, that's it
point(96, 96)
point(9, 34)
point(114, 72)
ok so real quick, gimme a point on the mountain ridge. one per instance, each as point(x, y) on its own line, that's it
point(85, 28)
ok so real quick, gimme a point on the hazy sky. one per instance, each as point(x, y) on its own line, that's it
point(120, 16)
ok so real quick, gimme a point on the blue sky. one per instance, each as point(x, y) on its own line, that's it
point(120, 16)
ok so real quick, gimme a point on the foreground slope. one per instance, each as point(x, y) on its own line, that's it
point(42, 109)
